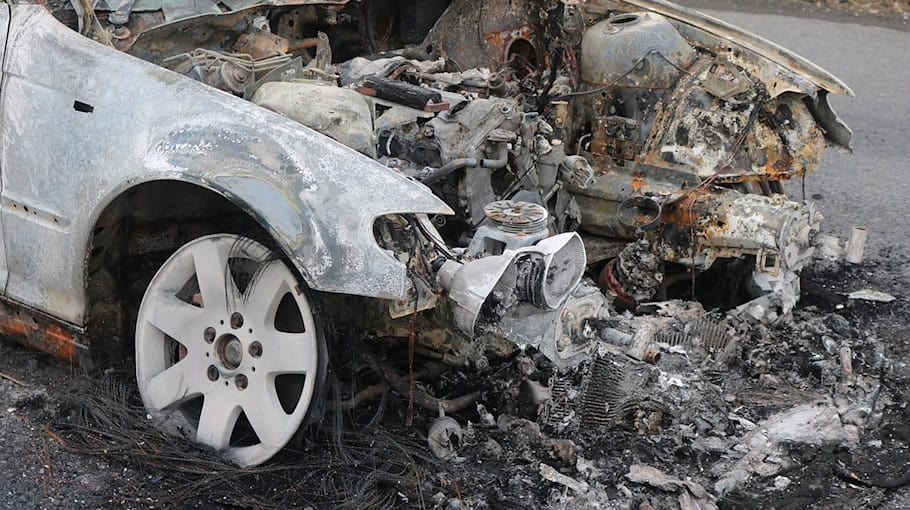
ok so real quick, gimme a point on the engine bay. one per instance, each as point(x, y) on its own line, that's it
point(598, 155)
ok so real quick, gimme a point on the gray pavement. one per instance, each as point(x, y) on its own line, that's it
point(871, 186)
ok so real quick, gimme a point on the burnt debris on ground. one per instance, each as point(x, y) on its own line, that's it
point(807, 413)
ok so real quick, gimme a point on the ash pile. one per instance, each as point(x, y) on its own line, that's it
point(709, 412)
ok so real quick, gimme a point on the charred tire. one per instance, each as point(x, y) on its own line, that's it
point(230, 348)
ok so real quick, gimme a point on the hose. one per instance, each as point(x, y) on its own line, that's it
point(442, 172)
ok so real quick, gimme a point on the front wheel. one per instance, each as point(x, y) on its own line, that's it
point(229, 351)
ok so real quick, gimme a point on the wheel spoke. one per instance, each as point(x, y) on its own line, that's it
point(265, 293)
point(289, 353)
point(174, 318)
point(216, 423)
point(174, 385)
point(215, 282)
point(268, 419)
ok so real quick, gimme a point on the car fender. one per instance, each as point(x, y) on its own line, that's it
point(82, 123)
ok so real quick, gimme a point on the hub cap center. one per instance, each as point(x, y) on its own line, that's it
point(230, 351)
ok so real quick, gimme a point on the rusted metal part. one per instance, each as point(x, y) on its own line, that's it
point(705, 225)
point(480, 33)
point(516, 42)
point(600, 202)
point(782, 139)
point(616, 137)
point(634, 276)
point(732, 34)
point(38, 331)
point(260, 44)
point(609, 283)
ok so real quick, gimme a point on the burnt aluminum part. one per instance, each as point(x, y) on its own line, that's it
point(856, 246)
point(778, 69)
point(317, 198)
point(736, 35)
point(334, 111)
point(779, 232)
point(615, 388)
point(601, 403)
point(640, 49)
point(575, 339)
point(712, 336)
point(511, 225)
point(517, 217)
point(470, 286)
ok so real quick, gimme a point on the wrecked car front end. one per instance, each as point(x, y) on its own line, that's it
point(593, 163)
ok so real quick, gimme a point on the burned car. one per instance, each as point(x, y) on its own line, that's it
point(227, 192)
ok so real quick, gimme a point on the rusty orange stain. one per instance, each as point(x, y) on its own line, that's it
point(13, 327)
point(687, 211)
point(501, 41)
point(52, 338)
point(64, 344)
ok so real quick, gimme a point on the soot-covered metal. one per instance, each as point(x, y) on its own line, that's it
point(604, 172)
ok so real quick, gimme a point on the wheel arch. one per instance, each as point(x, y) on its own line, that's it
point(143, 222)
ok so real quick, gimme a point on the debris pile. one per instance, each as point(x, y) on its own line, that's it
point(725, 413)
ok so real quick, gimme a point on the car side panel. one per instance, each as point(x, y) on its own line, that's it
point(65, 163)
point(4, 26)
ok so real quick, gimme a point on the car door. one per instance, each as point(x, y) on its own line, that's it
point(4, 29)
point(48, 137)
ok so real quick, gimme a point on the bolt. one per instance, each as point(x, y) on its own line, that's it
point(236, 320)
point(241, 382)
point(255, 349)
point(212, 373)
point(209, 334)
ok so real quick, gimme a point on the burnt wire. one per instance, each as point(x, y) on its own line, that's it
point(340, 466)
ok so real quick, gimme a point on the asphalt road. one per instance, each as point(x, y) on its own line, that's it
point(871, 186)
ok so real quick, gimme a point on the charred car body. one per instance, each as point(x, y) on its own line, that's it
point(461, 179)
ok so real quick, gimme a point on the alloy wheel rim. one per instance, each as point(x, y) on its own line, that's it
point(227, 348)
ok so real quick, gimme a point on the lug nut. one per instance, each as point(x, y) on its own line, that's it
point(209, 334)
point(236, 320)
point(255, 349)
point(212, 373)
point(241, 382)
